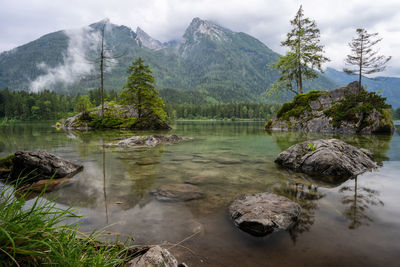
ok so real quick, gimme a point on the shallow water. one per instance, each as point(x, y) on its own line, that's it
point(351, 223)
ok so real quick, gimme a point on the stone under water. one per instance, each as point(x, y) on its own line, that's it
point(263, 213)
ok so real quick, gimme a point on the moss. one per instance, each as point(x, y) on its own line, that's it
point(268, 124)
point(356, 106)
point(298, 106)
point(6, 162)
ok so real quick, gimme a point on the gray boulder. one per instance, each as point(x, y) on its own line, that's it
point(150, 141)
point(331, 157)
point(263, 213)
point(177, 192)
point(35, 166)
point(154, 256)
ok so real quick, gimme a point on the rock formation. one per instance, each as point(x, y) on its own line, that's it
point(349, 109)
point(330, 157)
point(116, 116)
point(154, 256)
point(35, 166)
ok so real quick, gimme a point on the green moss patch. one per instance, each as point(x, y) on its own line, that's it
point(299, 104)
point(6, 162)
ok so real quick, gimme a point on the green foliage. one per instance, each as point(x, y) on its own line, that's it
point(83, 105)
point(364, 58)
point(6, 162)
point(312, 147)
point(356, 105)
point(300, 103)
point(140, 92)
point(37, 235)
point(305, 54)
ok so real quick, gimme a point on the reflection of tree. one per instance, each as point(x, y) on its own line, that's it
point(358, 203)
point(306, 195)
point(104, 180)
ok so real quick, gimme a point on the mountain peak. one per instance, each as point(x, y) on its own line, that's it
point(146, 40)
point(199, 28)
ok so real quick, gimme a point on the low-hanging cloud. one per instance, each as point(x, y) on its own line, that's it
point(76, 65)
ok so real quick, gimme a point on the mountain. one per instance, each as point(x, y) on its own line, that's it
point(209, 63)
point(388, 87)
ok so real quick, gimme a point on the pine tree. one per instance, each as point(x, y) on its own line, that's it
point(140, 92)
point(305, 54)
point(364, 57)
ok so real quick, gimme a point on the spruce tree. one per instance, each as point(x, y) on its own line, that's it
point(305, 54)
point(140, 92)
point(364, 57)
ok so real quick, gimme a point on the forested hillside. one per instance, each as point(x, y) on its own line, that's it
point(210, 64)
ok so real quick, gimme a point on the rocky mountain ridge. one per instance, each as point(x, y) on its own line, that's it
point(222, 65)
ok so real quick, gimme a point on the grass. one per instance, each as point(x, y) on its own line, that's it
point(37, 235)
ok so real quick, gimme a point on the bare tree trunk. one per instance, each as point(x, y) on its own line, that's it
point(361, 61)
point(101, 72)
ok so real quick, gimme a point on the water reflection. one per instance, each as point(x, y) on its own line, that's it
point(307, 195)
point(358, 200)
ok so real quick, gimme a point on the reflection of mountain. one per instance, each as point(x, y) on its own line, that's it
point(377, 144)
point(306, 195)
point(358, 199)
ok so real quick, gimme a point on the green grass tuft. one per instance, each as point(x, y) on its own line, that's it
point(37, 235)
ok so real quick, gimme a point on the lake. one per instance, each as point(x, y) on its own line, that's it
point(350, 223)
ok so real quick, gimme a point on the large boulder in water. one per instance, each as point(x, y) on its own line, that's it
point(41, 165)
point(263, 213)
point(331, 157)
point(348, 109)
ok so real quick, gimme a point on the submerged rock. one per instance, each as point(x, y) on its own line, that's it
point(330, 157)
point(49, 184)
point(177, 192)
point(348, 109)
point(263, 213)
point(35, 166)
point(150, 141)
point(154, 256)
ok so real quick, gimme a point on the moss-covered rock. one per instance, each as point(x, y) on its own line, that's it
point(349, 109)
point(115, 116)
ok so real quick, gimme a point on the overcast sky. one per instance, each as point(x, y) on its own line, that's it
point(22, 21)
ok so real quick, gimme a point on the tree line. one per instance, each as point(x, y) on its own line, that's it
point(256, 111)
point(48, 105)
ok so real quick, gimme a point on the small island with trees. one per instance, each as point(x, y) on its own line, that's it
point(141, 107)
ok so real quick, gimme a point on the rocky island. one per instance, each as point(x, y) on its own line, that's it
point(349, 109)
point(116, 116)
